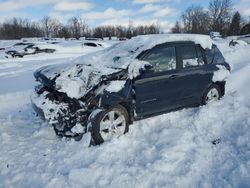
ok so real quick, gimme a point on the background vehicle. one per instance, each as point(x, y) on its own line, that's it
point(92, 44)
point(146, 76)
point(215, 35)
point(245, 38)
point(22, 49)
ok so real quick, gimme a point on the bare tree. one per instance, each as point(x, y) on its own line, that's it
point(56, 26)
point(64, 32)
point(83, 27)
point(177, 28)
point(47, 26)
point(194, 18)
point(75, 27)
point(17, 28)
point(153, 29)
point(98, 32)
point(220, 13)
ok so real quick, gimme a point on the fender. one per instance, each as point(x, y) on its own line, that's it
point(123, 97)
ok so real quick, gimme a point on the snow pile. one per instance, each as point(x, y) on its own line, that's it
point(78, 128)
point(115, 86)
point(79, 79)
point(221, 74)
point(51, 109)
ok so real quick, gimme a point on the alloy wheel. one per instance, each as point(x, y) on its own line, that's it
point(212, 95)
point(113, 124)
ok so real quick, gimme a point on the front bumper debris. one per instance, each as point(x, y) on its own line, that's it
point(66, 116)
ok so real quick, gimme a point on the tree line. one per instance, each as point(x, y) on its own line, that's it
point(17, 28)
point(218, 17)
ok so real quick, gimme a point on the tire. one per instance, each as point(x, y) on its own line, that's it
point(103, 131)
point(213, 93)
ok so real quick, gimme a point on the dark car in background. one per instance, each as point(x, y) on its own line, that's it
point(140, 78)
point(23, 48)
point(92, 44)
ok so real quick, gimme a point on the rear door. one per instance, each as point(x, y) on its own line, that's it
point(195, 73)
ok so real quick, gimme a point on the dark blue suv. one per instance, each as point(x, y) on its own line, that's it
point(106, 91)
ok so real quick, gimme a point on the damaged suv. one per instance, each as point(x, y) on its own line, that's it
point(104, 92)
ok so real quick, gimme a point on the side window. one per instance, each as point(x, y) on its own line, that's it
point(162, 59)
point(200, 56)
point(209, 54)
point(218, 56)
point(214, 55)
point(191, 55)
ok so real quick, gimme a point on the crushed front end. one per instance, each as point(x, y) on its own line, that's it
point(67, 95)
point(68, 116)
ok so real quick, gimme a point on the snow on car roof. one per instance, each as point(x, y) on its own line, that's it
point(150, 41)
point(133, 47)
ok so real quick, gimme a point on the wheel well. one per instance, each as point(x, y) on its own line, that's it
point(129, 109)
point(222, 87)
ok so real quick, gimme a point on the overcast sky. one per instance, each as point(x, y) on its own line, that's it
point(102, 12)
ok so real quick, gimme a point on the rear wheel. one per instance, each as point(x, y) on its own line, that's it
point(213, 93)
point(109, 124)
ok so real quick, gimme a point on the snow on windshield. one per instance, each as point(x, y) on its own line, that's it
point(76, 81)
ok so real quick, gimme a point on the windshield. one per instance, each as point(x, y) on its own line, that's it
point(117, 56)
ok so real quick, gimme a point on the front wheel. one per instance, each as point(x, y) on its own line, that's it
point(213, 93)
point(109, 124)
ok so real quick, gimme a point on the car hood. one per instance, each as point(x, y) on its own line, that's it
point(75, 80)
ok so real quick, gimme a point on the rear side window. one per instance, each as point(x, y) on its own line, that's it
point(209, 55)
point(191, 55)
point(162, 59)
point(214, 55)
point(218, 57)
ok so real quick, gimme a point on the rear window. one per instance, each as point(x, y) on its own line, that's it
point(90, 44)
point(191, 55)
point(218, 56)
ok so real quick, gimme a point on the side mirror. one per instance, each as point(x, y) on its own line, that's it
point(147, 68)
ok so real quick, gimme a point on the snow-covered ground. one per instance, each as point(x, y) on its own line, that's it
point(171, 150)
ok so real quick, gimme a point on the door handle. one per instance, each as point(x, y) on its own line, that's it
point(173, 76)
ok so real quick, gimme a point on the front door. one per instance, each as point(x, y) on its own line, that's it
point(157, 90)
